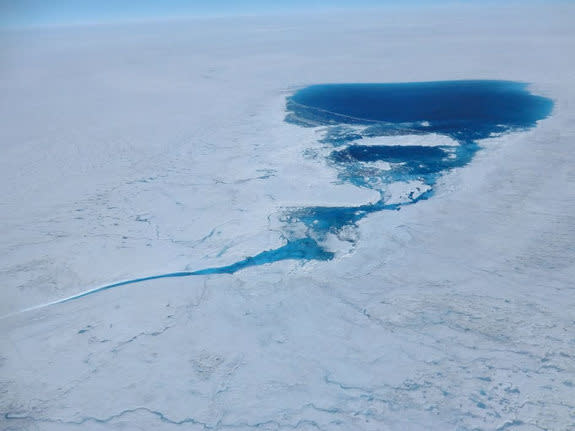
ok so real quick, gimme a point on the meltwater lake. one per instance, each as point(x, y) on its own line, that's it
point(364, 127)
point(353, 114)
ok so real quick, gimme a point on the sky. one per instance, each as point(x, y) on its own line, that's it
point(18, 13)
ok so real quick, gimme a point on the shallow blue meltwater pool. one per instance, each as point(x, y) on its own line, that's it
point(387, 134)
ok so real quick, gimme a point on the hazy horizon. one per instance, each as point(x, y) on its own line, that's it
point(37, 13)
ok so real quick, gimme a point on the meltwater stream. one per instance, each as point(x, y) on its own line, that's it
point(353, 117)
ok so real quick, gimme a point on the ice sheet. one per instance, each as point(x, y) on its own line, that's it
point(137, 150)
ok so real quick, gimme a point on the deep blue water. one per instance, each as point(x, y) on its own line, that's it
point(390, 153)
point(466, 111)
point(475, 108)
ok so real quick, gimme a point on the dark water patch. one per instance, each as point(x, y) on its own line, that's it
point(407, 163)
point(477, 108)
point(392, 154)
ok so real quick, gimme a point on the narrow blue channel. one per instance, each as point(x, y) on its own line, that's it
point(300, 249)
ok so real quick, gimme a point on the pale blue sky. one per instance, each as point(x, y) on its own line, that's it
point(53, 12)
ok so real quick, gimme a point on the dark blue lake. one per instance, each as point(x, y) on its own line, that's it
point(475, 108)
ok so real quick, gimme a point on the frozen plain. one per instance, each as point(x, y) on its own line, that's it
point(151, 148)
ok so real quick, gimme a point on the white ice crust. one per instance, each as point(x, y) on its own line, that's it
point(428, 140)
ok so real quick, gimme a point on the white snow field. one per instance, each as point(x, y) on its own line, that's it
point(143, 149)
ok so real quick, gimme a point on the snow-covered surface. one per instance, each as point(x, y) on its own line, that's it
point(429, 140)
point(146, 149)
